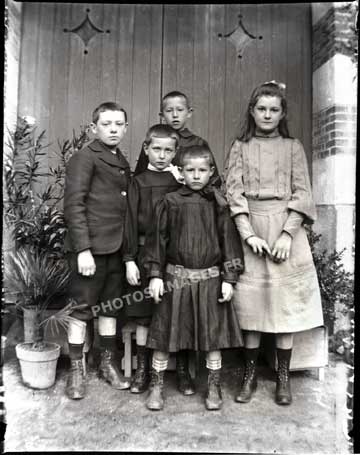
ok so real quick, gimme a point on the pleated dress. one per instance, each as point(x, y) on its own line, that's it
point(193, 246)
point(267, 179)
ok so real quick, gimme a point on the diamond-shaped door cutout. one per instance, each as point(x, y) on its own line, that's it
point(239, 37)
point(86, 30)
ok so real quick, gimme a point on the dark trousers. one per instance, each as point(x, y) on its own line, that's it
point(102, 291)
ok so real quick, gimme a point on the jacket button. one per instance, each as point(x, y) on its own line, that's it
point(122, 171)
point(123, 193)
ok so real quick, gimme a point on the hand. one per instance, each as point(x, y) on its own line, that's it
point(281, 249)
point(86, 263)
point(258, 245)
point(156, 288)
point(132, 273)
point(227, 292)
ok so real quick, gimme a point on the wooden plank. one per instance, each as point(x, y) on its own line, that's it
point(239, 73)
point(124, 40)
point(155, 65)
point(200, 99)
point(108, 58)
point(185, 50)
point(93, 64)
point(217, 83)
point(75, 91)
point(264, 46)
point(28, 59)
point(306, 76)
point(141, 76)
point(170, 82)
point(58, 128)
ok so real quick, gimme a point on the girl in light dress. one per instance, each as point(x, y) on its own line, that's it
point(269, 193)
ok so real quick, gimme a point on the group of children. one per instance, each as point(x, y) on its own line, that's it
point(216, 262)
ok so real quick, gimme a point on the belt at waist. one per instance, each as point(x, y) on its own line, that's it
point(193, 274)
point(267, 205)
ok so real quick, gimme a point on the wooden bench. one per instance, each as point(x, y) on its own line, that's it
point(129, 362)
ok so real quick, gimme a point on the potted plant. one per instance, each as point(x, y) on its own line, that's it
point(36, 273)
point(36, 280)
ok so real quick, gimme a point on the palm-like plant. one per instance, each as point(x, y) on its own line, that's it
point(36, 272)
point(37, 280)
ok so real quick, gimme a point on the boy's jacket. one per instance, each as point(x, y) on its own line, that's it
point(95, 199)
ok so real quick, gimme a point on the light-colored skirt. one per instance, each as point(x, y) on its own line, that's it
point(277, 297)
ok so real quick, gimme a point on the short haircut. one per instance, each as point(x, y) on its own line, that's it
point(108, 106)
point(196, 151)
point(163, 131)
point(174, 94)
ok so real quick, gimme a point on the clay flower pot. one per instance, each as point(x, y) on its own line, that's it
point(38, 366)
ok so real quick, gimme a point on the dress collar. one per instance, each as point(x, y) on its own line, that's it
point(274, 133)
point(153, 168)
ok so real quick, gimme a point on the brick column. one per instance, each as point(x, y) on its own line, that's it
point(334, 125)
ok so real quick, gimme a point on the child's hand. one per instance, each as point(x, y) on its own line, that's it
point(258, 245)
point(227, 292)
point(132, 273)
point(281, 250)
point(156, 288)
point(86, 263)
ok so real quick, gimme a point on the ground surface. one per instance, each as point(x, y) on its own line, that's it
point(108, 420)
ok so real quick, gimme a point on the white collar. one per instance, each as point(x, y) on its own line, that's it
point(153, 168)
point(171, 168)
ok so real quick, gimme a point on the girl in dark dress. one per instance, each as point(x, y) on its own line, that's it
point(193, 257)
point(144, 191)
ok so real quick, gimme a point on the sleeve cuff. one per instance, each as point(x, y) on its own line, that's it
point(293, 223)
point(244, 227)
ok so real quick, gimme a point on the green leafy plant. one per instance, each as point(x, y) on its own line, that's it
point(36, 272)
point(336, 284)
point(35, 280)
point(32, 205)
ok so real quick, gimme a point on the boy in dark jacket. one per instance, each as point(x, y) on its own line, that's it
point(94, 207)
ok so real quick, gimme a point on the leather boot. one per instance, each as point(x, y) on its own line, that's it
point(283, 390)
point(184, 382)
point(110, 372)
point(155, 400)
point(213, 400)
point(75, 385)
point(141, 379)
point(249, 381)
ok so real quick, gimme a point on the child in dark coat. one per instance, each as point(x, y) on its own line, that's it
point(95, 207)
point(193, 258)
point(176, 111)
point(145, 190)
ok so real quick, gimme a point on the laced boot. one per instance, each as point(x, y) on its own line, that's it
point(213, 400)
point(155, 400)
point(249, 381)
point(283, 390)
point(184, 382)
point(75, 385)
point(110, 372)
point(141, 379)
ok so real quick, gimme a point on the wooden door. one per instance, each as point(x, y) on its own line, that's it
point(219, 83)
point(62, 80)
point(140, 52)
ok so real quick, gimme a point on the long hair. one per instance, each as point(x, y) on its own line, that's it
point(272, 88)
